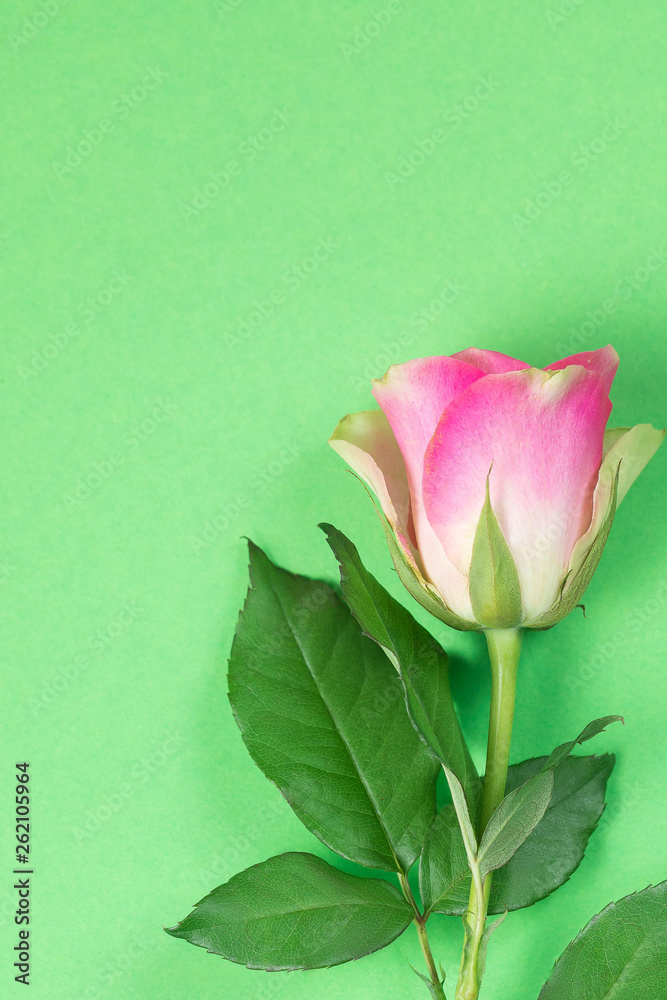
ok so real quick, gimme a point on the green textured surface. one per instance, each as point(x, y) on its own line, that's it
point(119, 603)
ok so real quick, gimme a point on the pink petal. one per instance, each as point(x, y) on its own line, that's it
point(603, 361)
point(413, 397)
point(490, 362)
point(542, 432)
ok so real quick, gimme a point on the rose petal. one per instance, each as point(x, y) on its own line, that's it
point(490, 362)
point(413, 397)
point(603, 361)
point(541, 434)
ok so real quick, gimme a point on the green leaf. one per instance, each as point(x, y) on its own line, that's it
point(435, 991)
point(514, 820)
point(421, 662)
point(621, 953)
point(520, 811)
point(444, 874)
point(322, 713)
point(295, 911)
point(591, 730)
point(495, 592)
point(462, 814)
point(546, 859)
point(555, 848)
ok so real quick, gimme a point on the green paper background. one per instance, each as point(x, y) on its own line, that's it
point(127, 364)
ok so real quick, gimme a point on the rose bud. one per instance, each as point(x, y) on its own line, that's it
point(498, 482)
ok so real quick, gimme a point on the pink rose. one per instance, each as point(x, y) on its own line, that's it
point(498, 481)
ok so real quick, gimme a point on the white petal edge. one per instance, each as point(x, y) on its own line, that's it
point(633, 448)
point(367, 443)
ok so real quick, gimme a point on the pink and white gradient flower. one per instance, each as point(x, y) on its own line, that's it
point(447, 425)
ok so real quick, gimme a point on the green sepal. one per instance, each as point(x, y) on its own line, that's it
point(484, 944)
point(495, 592)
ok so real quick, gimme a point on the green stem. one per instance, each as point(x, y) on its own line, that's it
point(438, 990)
point(420, 923)
point(504, 650)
